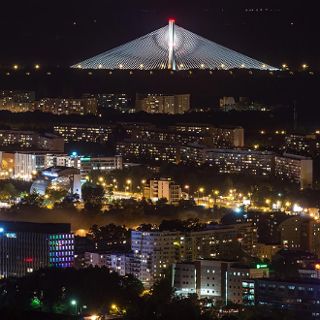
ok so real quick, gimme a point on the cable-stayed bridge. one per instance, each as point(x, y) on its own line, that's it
point(173, 48)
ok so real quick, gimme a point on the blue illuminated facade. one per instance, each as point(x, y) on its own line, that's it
point(61, 250)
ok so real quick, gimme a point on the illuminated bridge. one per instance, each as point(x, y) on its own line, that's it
point(173, 48)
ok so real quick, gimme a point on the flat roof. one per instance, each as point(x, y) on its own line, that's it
point(33, 227)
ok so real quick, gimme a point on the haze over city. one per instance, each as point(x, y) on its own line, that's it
point(159, 160)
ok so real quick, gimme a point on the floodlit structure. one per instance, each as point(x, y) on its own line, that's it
point(173, 48)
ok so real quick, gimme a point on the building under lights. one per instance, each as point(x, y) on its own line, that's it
point(85, 106)
point(26, 247)
point(31, 139)
point(218, 280)
point(158, 250)
point(167, 104)
point(173, 48)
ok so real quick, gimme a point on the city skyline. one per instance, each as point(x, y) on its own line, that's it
point(176, 175)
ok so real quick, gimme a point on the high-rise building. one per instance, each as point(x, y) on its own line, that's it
point(26, 247)
point(307, 145)
point(159, 250)
point(162, 189)
point(295, 168)
point(300, 233)
point(158, 103)
point(116, 101)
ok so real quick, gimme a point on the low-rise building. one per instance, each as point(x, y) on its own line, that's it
point(218, 280)
point(299, 296)
point(60, 106)
point(100, 164)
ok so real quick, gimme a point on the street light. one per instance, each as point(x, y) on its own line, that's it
point(187, 187)
point(129, 183)
point(216, 193)
point(200, 190)
point(74, 303)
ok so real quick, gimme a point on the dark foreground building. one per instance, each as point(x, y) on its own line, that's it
point(26, 247)
point(301, 296)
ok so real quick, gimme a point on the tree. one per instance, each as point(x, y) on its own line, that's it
point(92, 196)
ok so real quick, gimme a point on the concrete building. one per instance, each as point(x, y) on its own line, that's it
point(101, 164)
point(227, 102)
point(158, 103)
point(60, 106)
point(218, 280)
point(31, 139)
point(222, 137)
point(239, 273)
point(22, 139)
point(84, 133)
point(144, 151)
point(295, 168)
point(26, 247)
point(300, 233)
point(58, 178)
point(116, 101)
point(241, 161)
point(300, 296)
point(267, 251)
point(162, 189)
point(304, 144)
point(50, 142)
point(17, 101)
point(159, 250)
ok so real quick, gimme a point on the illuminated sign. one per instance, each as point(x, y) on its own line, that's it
point(261, 266)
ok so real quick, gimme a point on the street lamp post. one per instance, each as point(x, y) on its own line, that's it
point(129, 183)
point(74, 303)
point(187, 188)
point(200, 190)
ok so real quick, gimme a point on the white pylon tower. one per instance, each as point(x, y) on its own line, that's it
point(171, 45)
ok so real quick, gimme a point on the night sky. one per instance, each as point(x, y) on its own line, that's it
point(65, 32)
